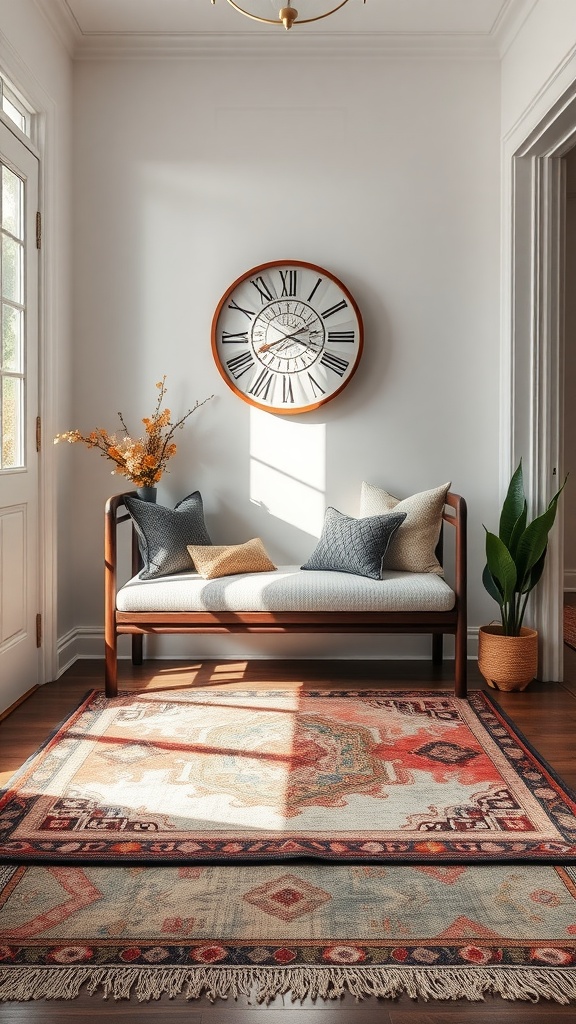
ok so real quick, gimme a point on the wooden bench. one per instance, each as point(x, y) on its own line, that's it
point(139, 623)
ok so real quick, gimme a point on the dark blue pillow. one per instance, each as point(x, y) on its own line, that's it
point(354, 545)
point(164, 533)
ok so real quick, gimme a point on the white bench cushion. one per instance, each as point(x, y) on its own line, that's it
point(288, 589)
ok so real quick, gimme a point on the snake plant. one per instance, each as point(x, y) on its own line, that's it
point(515, 557)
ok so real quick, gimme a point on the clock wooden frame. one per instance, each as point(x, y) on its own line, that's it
point(322, 353)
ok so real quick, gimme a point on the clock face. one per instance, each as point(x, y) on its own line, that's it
point(287, 337)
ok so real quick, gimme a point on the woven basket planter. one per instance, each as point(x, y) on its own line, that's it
point(507, 662)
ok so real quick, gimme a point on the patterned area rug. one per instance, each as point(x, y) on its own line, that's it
point(570, 625)
point(235, 776)
point(311, 929)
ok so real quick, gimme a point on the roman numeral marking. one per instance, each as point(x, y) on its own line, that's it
point(261, 385)
point(287, 395)
point(263, 289)
point(316, 389)
point(289, 280)
point(335, 363)
point(240, 364)
point(334, 309)
point(248, 312)
point(229, 336)
point(317, 285)
point(340, 337)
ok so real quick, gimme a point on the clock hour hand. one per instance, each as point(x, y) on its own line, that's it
point(285, 337)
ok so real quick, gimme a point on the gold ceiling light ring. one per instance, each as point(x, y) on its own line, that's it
point(287, 16)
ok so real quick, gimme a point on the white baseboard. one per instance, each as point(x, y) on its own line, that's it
point(88, 643)
point(78, 643)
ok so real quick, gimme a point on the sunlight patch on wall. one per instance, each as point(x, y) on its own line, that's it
point(288, 469)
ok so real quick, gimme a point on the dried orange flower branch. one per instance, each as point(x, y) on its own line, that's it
point(142, 460)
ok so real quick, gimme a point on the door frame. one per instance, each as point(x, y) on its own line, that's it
point(49, 325)
point(532, 393)
point(20, 478)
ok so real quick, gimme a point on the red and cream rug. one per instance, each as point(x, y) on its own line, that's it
point(310, 929)
point(213, 776)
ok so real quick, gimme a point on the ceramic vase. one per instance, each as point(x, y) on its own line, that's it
point(146, 493)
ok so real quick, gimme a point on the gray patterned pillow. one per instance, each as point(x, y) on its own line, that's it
point(354, 545)
point(164, 533)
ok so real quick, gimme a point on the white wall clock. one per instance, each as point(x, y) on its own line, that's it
point(287, 336)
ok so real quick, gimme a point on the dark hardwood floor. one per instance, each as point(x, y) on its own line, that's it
point(546, 713)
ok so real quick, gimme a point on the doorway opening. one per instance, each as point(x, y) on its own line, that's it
point(533, 375)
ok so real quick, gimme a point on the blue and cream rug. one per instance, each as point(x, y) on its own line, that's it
point(434, 932)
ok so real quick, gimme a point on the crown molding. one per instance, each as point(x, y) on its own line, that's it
point(62, 22)
point(508, 24)
point(262, 44)
point(257, 42)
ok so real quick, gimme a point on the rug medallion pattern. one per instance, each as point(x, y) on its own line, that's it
point(224, 776)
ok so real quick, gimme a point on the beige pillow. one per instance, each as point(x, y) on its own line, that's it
point(213, 560)
point(412, 546)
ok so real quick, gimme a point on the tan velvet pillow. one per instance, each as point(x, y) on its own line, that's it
point(412, 546)
point(213, 560)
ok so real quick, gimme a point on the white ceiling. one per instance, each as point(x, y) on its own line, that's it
point(94, 27)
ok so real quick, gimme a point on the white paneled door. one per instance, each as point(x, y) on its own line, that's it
point(19, 534)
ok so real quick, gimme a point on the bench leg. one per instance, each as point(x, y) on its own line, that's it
point(461, 661)
point(111, 666)
point(137, 648)
point(437, 648)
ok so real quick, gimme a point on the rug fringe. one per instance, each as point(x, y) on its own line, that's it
point(264, 984)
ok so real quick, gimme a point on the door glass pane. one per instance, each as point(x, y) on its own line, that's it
point(12, 338)
point(12, 405)
point(12, 203)
point(12, 324)
point(12, 264)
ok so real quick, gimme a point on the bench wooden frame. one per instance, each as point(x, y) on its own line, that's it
point(137, 624)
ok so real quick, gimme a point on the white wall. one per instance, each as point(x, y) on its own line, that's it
point(388, 176)
point(38, 64)
point(392, 173)
point(188, 173)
